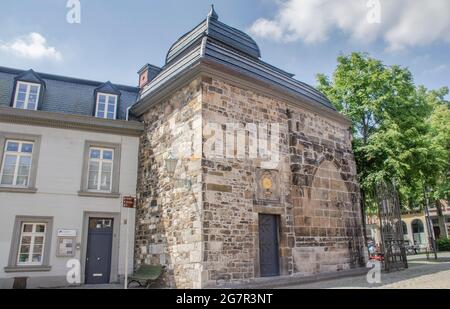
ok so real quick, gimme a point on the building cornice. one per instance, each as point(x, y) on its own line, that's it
point(69, 121)
point(204, 67)
point(163, 93)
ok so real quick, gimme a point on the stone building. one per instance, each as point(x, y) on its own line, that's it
point(265, 181)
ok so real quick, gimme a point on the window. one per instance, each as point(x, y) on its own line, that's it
point(17, 162)
point(418, 232)
point(100, 169)
point(106, 106)
point(19, 156)
point(97, 223)
point(27, 95)
point(31, 246)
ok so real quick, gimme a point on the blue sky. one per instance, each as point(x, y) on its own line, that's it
point(115, 38)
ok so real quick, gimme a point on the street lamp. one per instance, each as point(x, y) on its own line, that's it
point(171, 164)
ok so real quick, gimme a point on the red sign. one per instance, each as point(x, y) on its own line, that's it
point(128, 202)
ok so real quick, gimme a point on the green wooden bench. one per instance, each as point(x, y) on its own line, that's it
point(146, 274)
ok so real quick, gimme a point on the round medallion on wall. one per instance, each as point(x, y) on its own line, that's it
point(267, 182)
point(268, 185)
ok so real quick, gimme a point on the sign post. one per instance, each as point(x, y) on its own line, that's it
point(128, 204)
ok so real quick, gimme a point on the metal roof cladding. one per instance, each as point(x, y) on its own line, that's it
point(215, 41)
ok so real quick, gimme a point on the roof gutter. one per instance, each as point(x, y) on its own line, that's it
point(207, 67)
point(69, 121)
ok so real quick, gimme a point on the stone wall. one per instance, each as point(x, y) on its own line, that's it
point(208, 235)
point(231, 212)
point(327, 215)
point(317, 200)
point(168, 227)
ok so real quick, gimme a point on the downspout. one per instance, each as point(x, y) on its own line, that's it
point(128, 113)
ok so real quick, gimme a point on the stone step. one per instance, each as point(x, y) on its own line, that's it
point(283, 281)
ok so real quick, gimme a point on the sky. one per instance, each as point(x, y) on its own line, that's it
point(114, 39)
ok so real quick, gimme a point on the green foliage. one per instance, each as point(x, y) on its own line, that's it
point(443, 244)
point(400, 131)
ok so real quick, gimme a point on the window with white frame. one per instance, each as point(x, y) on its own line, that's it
point(100, 170)
point(27, 95)
point(106, 106)
point(31, 246)
point(16, 163)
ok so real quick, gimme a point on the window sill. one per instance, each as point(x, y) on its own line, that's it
point(22, 269)
point(18, 190)
point(98, 194)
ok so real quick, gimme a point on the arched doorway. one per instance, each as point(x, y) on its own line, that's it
point(418, 232)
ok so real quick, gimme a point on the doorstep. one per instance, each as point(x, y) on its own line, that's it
point(282, 281)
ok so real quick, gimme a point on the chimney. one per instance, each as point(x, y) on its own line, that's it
point(147, 73)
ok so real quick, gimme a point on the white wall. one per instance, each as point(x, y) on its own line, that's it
point(58, 182)
point(408, 219)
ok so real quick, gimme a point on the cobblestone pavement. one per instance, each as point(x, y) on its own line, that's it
point(421, 274)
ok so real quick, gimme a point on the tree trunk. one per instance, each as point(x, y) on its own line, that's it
point(441, 219)
point(363, 213)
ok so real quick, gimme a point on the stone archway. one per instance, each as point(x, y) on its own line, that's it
point(328, 186)
point(325, 223)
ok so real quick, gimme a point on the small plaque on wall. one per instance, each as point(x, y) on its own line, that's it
point(66, 246)
point(67, 233)
point(268, 185)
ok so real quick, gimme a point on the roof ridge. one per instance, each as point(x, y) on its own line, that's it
point(217, 30)
point(68, 79)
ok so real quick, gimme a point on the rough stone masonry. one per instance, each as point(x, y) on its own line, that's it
point(223, 215)
point(207, 233)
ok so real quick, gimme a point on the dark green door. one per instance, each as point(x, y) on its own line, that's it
point(268, 246)
point(99, 246)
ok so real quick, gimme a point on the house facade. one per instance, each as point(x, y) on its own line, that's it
point(67, 157)
point(244, 172)
point(416, 230)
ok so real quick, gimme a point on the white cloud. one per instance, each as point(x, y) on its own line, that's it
point(32, 46)
point(267, 28)
point(404, 23)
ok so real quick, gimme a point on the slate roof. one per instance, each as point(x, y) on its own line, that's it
point(66, 94)
point(215, 41)
point(219, 31)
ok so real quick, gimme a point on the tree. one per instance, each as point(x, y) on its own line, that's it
point(392, 123)
point(439, 136)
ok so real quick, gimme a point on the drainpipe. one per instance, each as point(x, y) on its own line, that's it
point(128, 113)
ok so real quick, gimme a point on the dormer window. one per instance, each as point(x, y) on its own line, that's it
point(27, 95)
point(106, 106)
